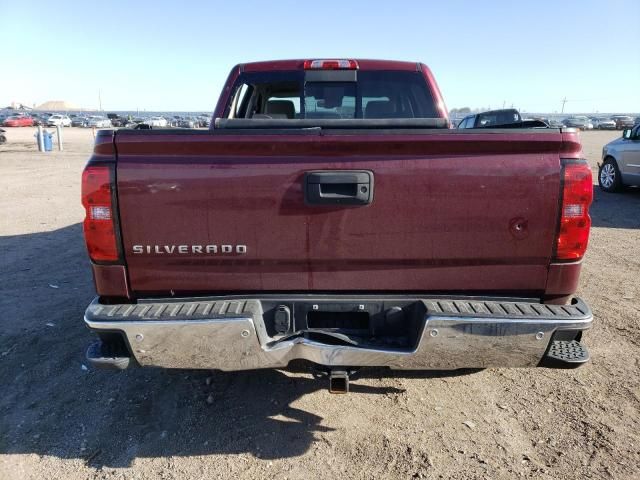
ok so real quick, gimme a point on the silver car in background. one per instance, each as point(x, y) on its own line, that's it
point(96, 121)
point(621, 162)
point(605, 124)
point(577, 121)
point(188, 122)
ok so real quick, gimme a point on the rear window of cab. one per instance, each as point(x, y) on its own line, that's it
point(373, 94)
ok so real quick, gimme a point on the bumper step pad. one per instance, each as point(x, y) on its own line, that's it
point(565, 354)
point(102, 355)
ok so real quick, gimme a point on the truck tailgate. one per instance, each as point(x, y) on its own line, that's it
point(470, 212)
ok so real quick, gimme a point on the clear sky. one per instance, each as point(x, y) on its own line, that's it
point(175, 55)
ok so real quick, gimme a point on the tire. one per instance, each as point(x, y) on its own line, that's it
point(609, 177)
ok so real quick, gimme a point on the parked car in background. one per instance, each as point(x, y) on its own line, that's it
point(623, 121)
point(552, 122)
point(18, 121)
point(188, 122)
point(174, 121)
point(606, 124)
point(157, 122)
point(204, 120)
point(55, 120)
point(578, 121)
point(621, 161)
point(116, 120)
point(491, 118)
point(39, 119)
point(134, 122)
point(98, 122)
point(79, 121)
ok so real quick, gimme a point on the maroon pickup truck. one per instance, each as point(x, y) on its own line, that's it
point(331, 214)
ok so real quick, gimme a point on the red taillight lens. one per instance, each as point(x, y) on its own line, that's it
point(575, 222)
point(330, 65)
point(99, 228)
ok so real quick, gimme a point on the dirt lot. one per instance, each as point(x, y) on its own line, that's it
point(60, 420)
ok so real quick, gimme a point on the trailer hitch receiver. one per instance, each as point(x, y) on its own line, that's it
point(338, 381)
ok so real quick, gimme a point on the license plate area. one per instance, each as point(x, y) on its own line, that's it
point(349, 318)
point(391, 324)
point(345, 322)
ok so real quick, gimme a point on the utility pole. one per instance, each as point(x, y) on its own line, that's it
point(564, 100)
point(100, 99)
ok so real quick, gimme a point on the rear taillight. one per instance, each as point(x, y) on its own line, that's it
point(99, 225)
point(330, 65)
point(575, 223)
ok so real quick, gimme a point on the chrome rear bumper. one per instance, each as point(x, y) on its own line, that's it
point(230, 334)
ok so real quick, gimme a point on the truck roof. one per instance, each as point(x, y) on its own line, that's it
point(363, 64)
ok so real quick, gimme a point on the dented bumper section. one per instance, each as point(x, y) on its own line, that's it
point(245, 333)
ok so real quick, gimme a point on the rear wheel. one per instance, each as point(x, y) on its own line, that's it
point(609, 176)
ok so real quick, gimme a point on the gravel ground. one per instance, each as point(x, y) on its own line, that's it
point(61, 420)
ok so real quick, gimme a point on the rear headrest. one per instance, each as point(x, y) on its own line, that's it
point(281, 107)
point(379, 109)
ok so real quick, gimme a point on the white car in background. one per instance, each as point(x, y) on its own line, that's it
point(96, 121)
point(156, 122)
point(55, 120)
